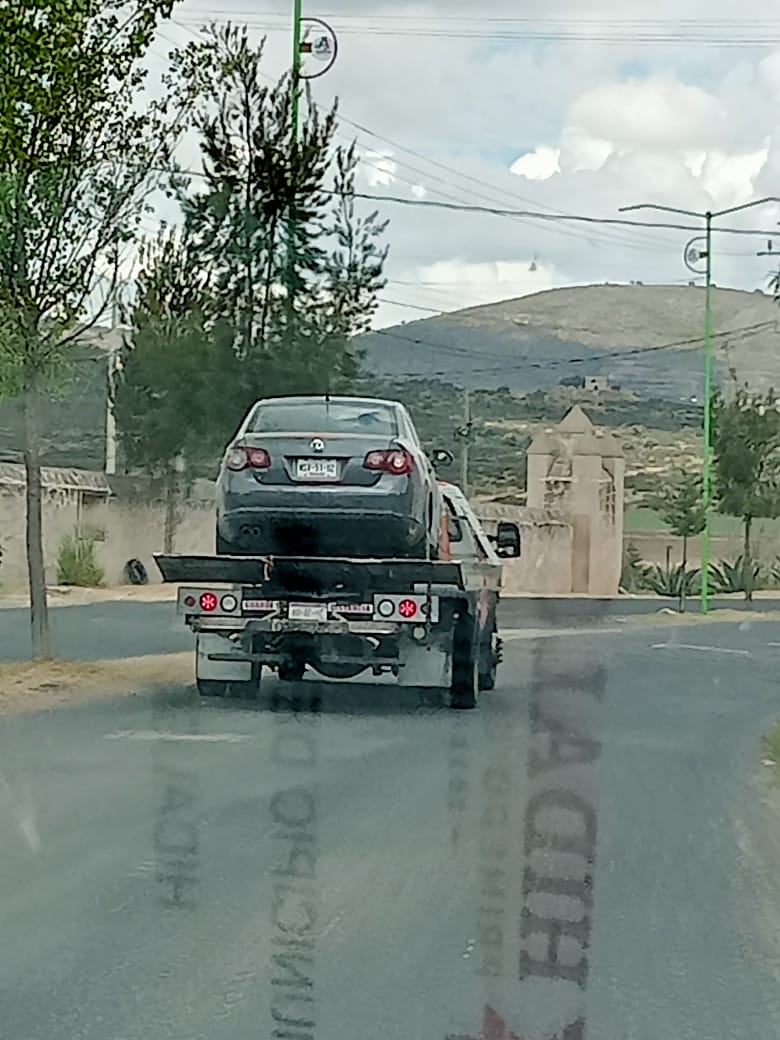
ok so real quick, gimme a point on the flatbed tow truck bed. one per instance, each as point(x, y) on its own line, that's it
point(417, 620)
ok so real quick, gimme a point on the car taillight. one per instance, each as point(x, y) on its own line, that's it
point(240, 457)
point(393, 461)
point(208, 602)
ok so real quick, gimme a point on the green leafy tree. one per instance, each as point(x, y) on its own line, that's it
point(680, 504)
point(77, 155)
point(295, 269)
point(746, 443)
point(164, 401)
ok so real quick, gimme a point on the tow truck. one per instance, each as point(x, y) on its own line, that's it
point(429, 623)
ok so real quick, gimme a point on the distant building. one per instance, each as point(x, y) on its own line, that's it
point(596, 383)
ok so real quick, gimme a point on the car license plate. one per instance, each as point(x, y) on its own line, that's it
point(308, 612)
point(316, 469)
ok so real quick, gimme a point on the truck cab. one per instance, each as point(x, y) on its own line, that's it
point(464, 540)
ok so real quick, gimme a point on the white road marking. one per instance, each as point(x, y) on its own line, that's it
point(514, 634)
point(205, 738)
point(707, 649)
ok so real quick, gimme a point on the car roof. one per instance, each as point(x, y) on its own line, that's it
point(333, 399)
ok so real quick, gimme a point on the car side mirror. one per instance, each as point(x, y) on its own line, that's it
point(507, 540)
point(441, 457)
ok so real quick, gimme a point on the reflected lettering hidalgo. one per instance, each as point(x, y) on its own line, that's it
point(559, 828)
point(294, 903)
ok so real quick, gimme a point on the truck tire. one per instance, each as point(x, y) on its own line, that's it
point(243, 689)
point(464, 689)
point(292, 671)
point(214, 688)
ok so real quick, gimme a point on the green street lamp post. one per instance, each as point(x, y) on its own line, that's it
point(692, 255)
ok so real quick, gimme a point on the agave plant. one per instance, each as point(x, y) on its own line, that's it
point(672, 582)
point(726, 577)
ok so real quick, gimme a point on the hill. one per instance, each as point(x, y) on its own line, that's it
point(646, 338)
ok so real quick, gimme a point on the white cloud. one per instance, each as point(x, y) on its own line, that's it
point(538, 165)
point(659, 114)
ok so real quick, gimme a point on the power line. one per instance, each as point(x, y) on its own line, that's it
point(637, 32)
point(499, 212)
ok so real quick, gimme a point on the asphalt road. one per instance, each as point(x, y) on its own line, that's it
point(122, 629)
point(385, 868)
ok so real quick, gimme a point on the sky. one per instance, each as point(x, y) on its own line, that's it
point(578, 112)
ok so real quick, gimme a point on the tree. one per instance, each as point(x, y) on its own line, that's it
point(681, 506)
point(746, 443)
point(168, 366)
point(295, 270)
point(77, 157)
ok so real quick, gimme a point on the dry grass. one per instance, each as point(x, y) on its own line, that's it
point(36, 685)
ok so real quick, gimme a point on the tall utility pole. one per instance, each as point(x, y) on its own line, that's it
point(323, 48)
point(464, 435)
point(296, 70)
point(295, 86)
point(707, 460)
point(708, 218)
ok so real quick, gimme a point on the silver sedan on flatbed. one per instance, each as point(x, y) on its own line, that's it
point(328, 476)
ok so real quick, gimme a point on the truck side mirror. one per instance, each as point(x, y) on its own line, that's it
point(507, 541)
point(456, 529)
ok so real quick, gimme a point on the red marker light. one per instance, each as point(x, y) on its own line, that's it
point(407, 608)
point(208, 602)
point(189, 601)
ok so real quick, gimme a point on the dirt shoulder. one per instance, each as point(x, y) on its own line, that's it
point(671, 618)
point(69, 596)
point(39, 685)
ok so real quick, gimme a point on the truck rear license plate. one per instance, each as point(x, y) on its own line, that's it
point(316, 469)
point(308, 612)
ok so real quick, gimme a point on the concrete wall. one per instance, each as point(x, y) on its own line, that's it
point(652, 547)
point(132, 530)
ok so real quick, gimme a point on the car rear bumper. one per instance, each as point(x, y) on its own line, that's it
point(333, 532)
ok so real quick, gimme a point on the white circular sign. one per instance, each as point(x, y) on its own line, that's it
point(319, 48)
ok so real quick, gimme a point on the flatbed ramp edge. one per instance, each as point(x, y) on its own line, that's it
point(416, 619)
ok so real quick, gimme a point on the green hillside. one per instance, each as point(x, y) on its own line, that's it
point(645, 338)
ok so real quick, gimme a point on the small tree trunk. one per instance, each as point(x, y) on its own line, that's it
point(747, 563)
point(171, 488)
point(684, 579)
point(36, 570)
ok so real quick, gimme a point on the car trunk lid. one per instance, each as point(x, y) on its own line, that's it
point(318, 459)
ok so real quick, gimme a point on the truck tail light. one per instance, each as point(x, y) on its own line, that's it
point(415, 608)
point(209, 602)
point(240, 457)
point(395, 460)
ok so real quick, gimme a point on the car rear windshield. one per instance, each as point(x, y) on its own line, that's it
point(322, 417)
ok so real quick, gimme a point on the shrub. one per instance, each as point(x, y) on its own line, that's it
point(633, 573)
point(76, 562)
point(727, 577)
point(665, 582)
